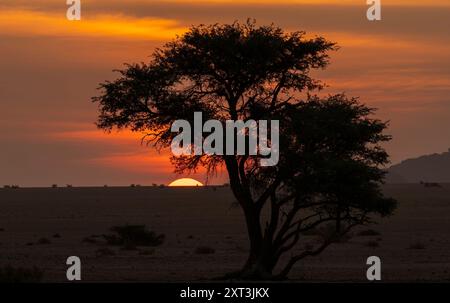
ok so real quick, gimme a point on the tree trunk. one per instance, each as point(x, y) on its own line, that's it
point(256, 268)
point(259, 264)
point(260, 261)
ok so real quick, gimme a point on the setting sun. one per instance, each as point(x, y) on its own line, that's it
point(186, 182)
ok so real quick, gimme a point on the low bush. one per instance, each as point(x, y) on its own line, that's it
point(133, 235)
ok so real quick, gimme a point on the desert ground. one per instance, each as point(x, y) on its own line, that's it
point(41, 227)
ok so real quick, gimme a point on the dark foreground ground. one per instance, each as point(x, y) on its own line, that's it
point(42, 227)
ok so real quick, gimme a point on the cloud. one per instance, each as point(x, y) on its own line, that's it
point(136, 162)
point(33, 23)
point(58, 4)
point(122, 137)
point(162, 20)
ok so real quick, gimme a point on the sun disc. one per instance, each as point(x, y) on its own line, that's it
point(185, 182)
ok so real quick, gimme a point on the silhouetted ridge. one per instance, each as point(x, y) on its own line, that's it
point(428, 168)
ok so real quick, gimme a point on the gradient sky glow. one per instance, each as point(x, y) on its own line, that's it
point(50, 68)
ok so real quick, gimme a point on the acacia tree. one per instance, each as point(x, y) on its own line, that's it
point(330, 155)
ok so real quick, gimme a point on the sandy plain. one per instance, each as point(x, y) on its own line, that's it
point(413, 244)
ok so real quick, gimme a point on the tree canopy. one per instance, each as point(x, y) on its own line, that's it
point(331, 157)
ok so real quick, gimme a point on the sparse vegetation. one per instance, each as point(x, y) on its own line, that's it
point(43, 241)
point(130, 236)
point(368, 233)
point(15, 186)
point(104, 252)
point(431, 184)
point(147, 252)
point(372, 244)
point(9, 274)
point(89, 240)
point(204, 250)
point(417, 245)
point(129, 246)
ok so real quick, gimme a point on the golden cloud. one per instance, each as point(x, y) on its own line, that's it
point(26, 22)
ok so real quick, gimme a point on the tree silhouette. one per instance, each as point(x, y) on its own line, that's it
point(330, 154)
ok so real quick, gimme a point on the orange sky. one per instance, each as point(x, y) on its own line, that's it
point(50, 68)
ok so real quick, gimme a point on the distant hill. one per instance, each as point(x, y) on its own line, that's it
point(429, 168)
